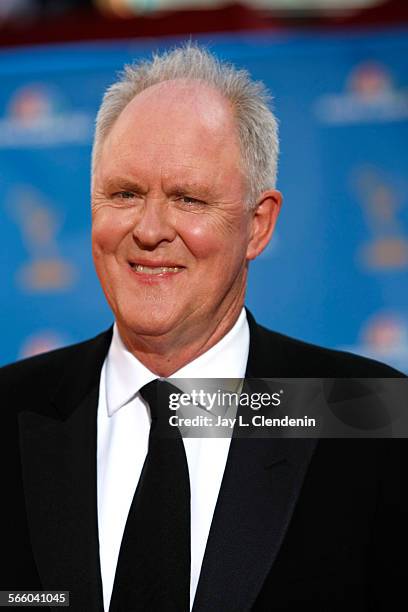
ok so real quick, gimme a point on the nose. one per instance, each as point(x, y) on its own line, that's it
point(154, 225)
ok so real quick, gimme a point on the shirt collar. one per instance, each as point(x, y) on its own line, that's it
point(126, 375)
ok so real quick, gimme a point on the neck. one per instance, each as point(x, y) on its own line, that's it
point(166, 355)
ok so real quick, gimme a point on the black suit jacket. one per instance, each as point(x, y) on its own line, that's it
point(299, 524)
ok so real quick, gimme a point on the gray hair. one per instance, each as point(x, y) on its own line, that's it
point(256, 124)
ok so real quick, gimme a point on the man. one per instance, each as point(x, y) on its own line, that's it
point(183, 198)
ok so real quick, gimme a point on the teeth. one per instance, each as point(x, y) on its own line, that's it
point(158, 270)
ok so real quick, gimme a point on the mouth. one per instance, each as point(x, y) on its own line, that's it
point(154, 270)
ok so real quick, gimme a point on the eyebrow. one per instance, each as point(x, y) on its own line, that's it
point(123, 183)
point(189, 187)
point(179, 188)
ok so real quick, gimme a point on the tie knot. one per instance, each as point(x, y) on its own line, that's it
point(156, 393)
point(149, 393)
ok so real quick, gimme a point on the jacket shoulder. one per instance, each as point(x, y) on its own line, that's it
point(46, 369)
point(303, 359)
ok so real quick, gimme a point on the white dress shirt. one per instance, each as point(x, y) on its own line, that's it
point(123, 432)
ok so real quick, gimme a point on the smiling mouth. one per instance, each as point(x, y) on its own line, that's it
point(155, 270)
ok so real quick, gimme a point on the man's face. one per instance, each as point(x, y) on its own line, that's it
point(171, 234)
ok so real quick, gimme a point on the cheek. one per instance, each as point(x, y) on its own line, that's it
point(108, 230)
point(207, 239)
point(200, 238)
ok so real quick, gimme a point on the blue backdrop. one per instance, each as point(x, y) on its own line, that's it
point(336, 272)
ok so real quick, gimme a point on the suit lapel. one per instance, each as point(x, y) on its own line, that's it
point(260, 487)
point(58, 452)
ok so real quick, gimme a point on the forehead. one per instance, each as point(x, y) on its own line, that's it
point(193, 102)
point(180, 123)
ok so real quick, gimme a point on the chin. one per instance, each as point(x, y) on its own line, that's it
point(145, 322)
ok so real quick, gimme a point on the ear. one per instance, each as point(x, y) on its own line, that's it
point(263, 221)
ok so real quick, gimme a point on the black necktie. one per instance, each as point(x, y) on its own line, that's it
point(153, 571)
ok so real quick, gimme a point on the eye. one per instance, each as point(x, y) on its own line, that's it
point(185, 199)
point(124, 195)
